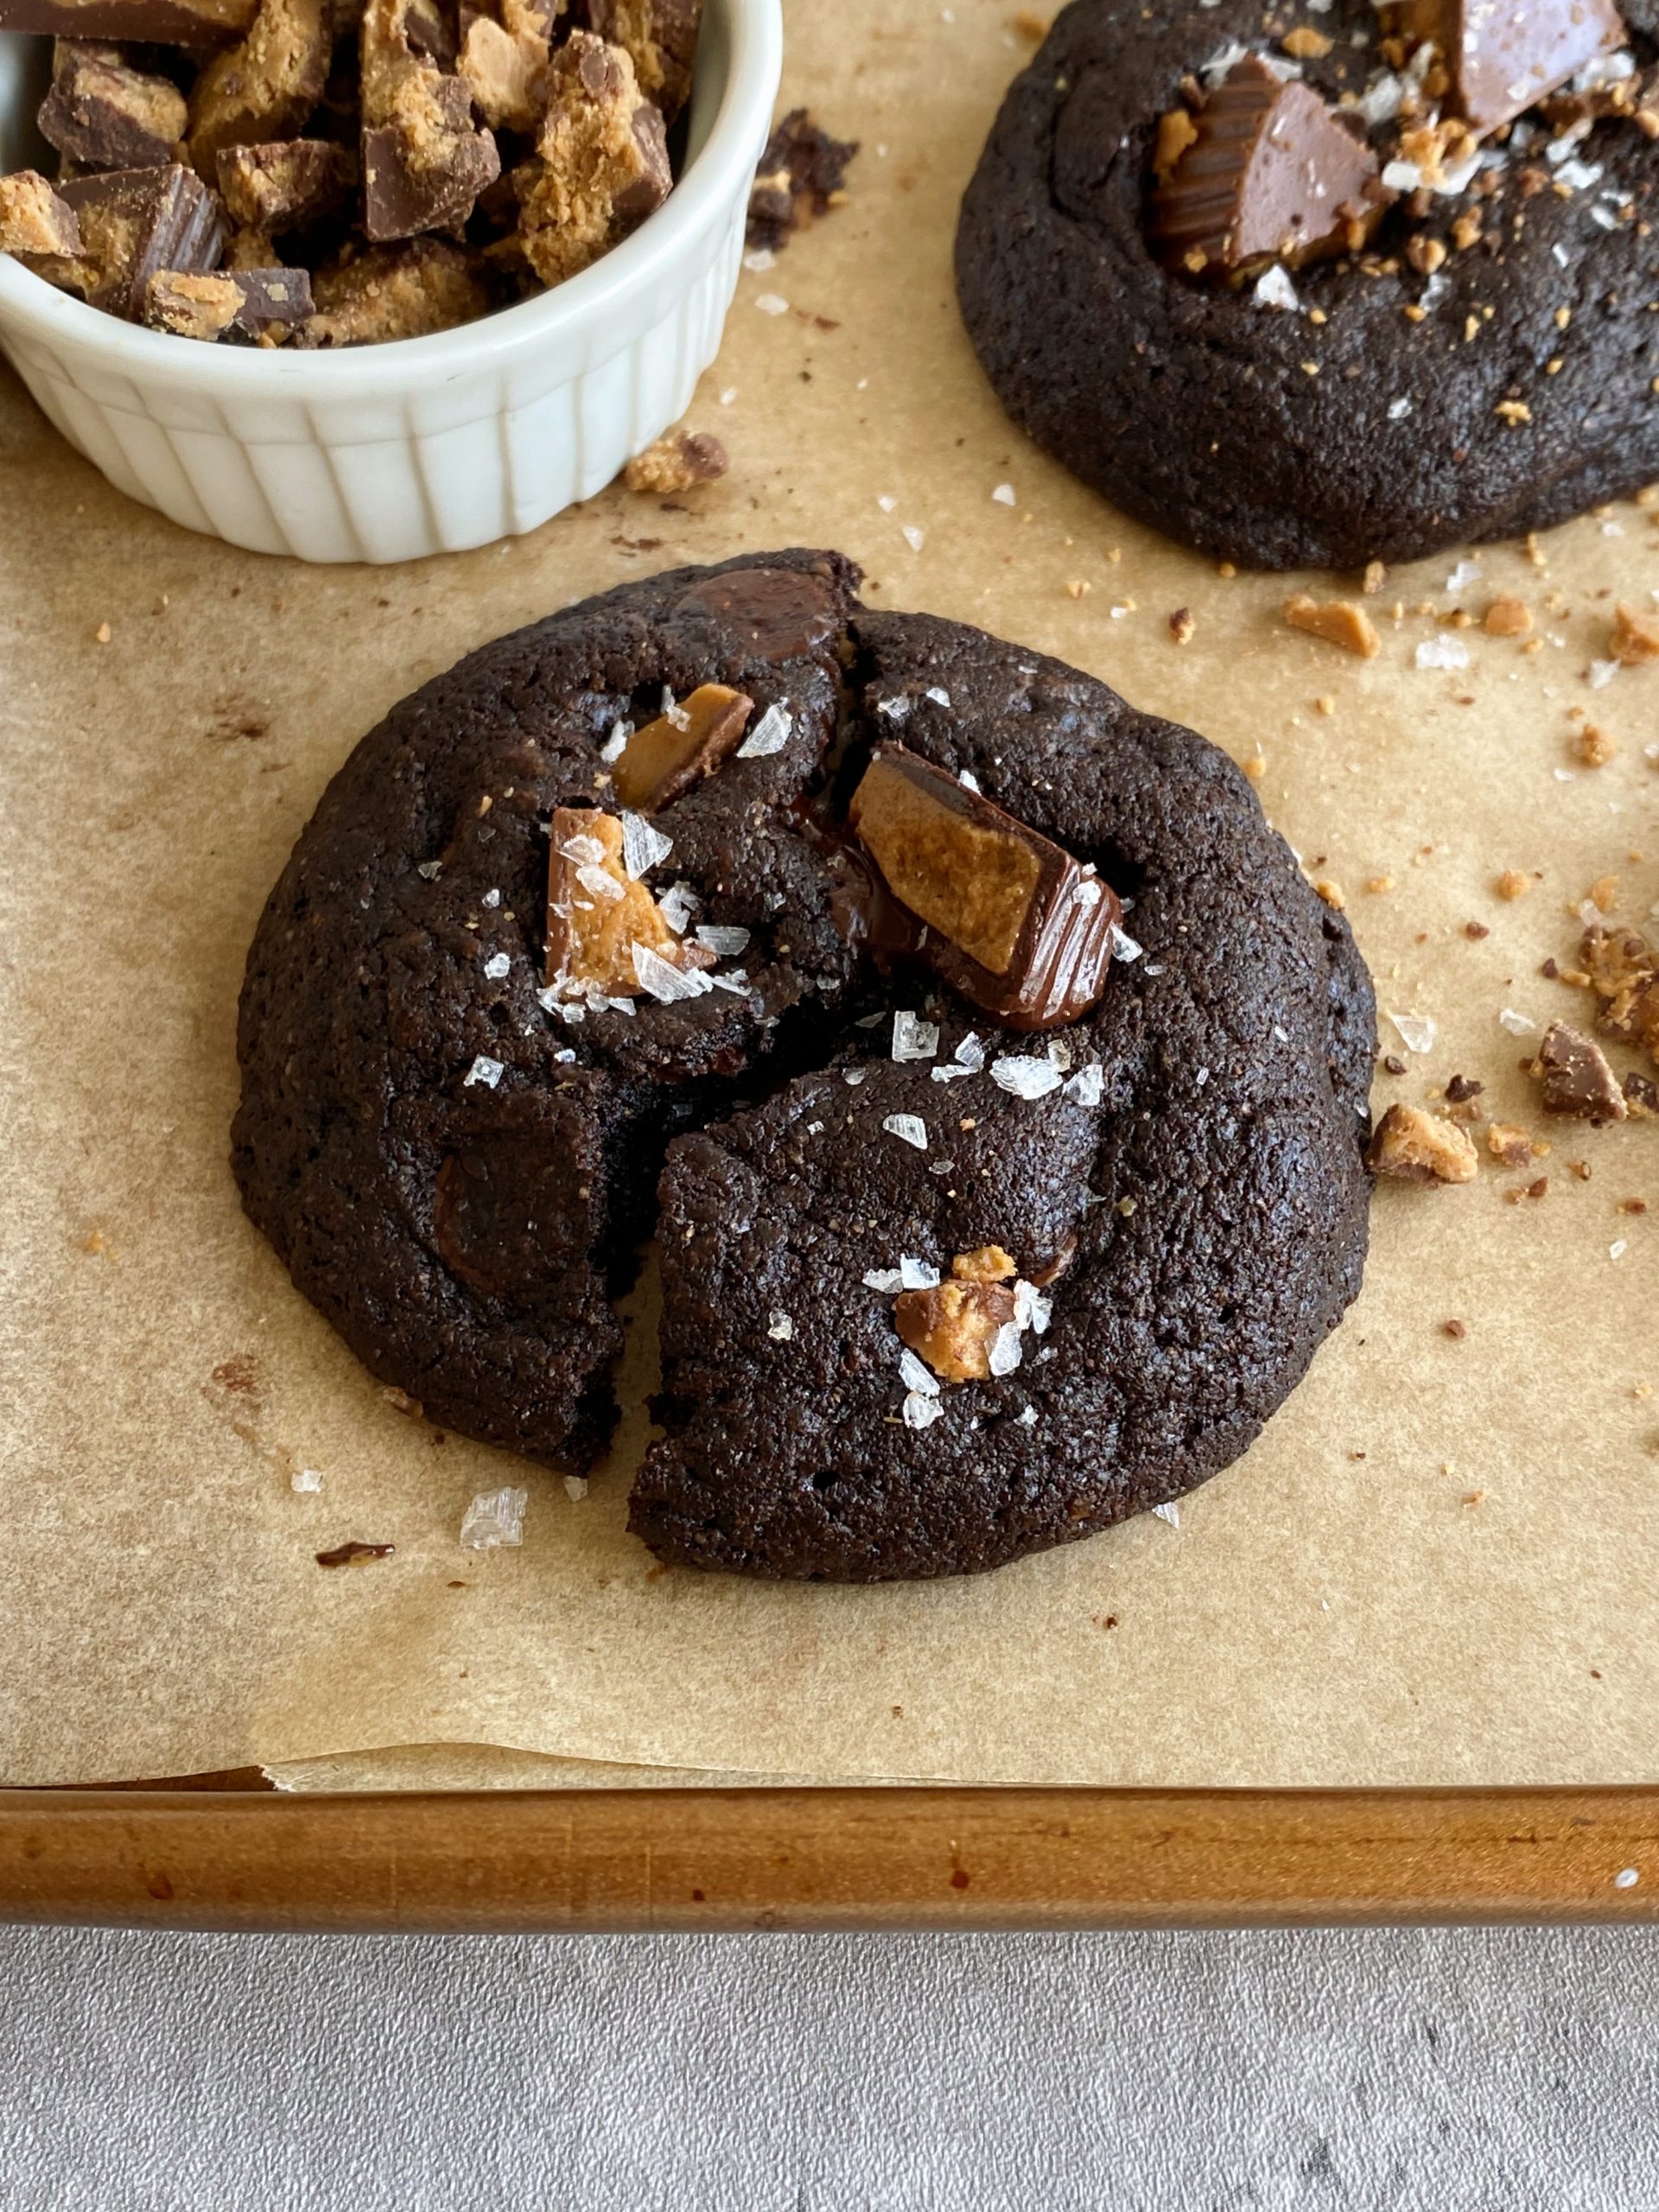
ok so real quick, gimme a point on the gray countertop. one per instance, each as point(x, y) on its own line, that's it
point(1439, 2068)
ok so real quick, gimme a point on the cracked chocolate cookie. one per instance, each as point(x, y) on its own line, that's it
point(997, 1084)
point(1327, 287)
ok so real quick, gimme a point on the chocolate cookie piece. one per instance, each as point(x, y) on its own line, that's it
point(1140, 1225)
point(416, 1125)
point(1189, 402)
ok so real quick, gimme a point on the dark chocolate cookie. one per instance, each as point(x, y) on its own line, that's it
point(937, 1291)
point(1478, 362)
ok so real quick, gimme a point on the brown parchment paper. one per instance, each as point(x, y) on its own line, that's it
point(1332, 1610)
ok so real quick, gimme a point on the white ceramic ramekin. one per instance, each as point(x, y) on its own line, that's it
point(425, 445)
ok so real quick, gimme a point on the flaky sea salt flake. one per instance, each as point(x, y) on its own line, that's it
point(723, 939)
point(1518, 1025)
point(912, 1038)
point(1006, 1351)
point(486, 1070)
point(495, 1517)
point(1443, 652)
point(1086, 1086)
point(497, 966)
point(665, 982)
point(918, 1375)
point(917, 1275)
point(643, 847)
point(769, 735)
point(921, 1412)
point(1025, 1075)
point(1416, 1031)
point(909, 1128)
point(887, 1281)
point(780, 1328)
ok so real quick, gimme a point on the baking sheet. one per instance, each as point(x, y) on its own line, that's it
point(1333, 1610)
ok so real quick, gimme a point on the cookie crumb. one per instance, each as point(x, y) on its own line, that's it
point(1512, 884)
point(1182, 626)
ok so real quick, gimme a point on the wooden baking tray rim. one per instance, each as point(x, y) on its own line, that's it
point(823, 1858)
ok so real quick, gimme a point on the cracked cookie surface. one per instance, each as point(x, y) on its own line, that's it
point(459, 1174)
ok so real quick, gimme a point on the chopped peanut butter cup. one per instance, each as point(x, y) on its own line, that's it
point(1003, 915)
point(598, 916)
point(1504, 57)
point(678, 749)
point(1270, 174)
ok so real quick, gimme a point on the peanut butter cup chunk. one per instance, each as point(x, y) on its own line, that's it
point(601, 165)
point(1270, 174)
point(675, 751)
point(1504, 56)
point(1004, 915)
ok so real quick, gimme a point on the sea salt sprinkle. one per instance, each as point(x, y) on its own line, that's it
point(1006, 1351)
point(1124, 946)
point(1025, 1075)
point(1416, 1031)
point(678, 905)
point(665, 982)
point(616, 744)
point(495, 1517)
point(306, 1478)
point(1518, 1025)
point(486, 1070)
point(769, 735)
point(780, 1328)
point(1275, 289)
point(576, 1488)
point(914, 1038)
point(722, 938)
point(917, 1274)
point(644, 848)
point(1170, 1513)
point(909, 1128)
point(1443, 652)
point(916, 1375)
point(497, 966)
point(1086, 1086)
